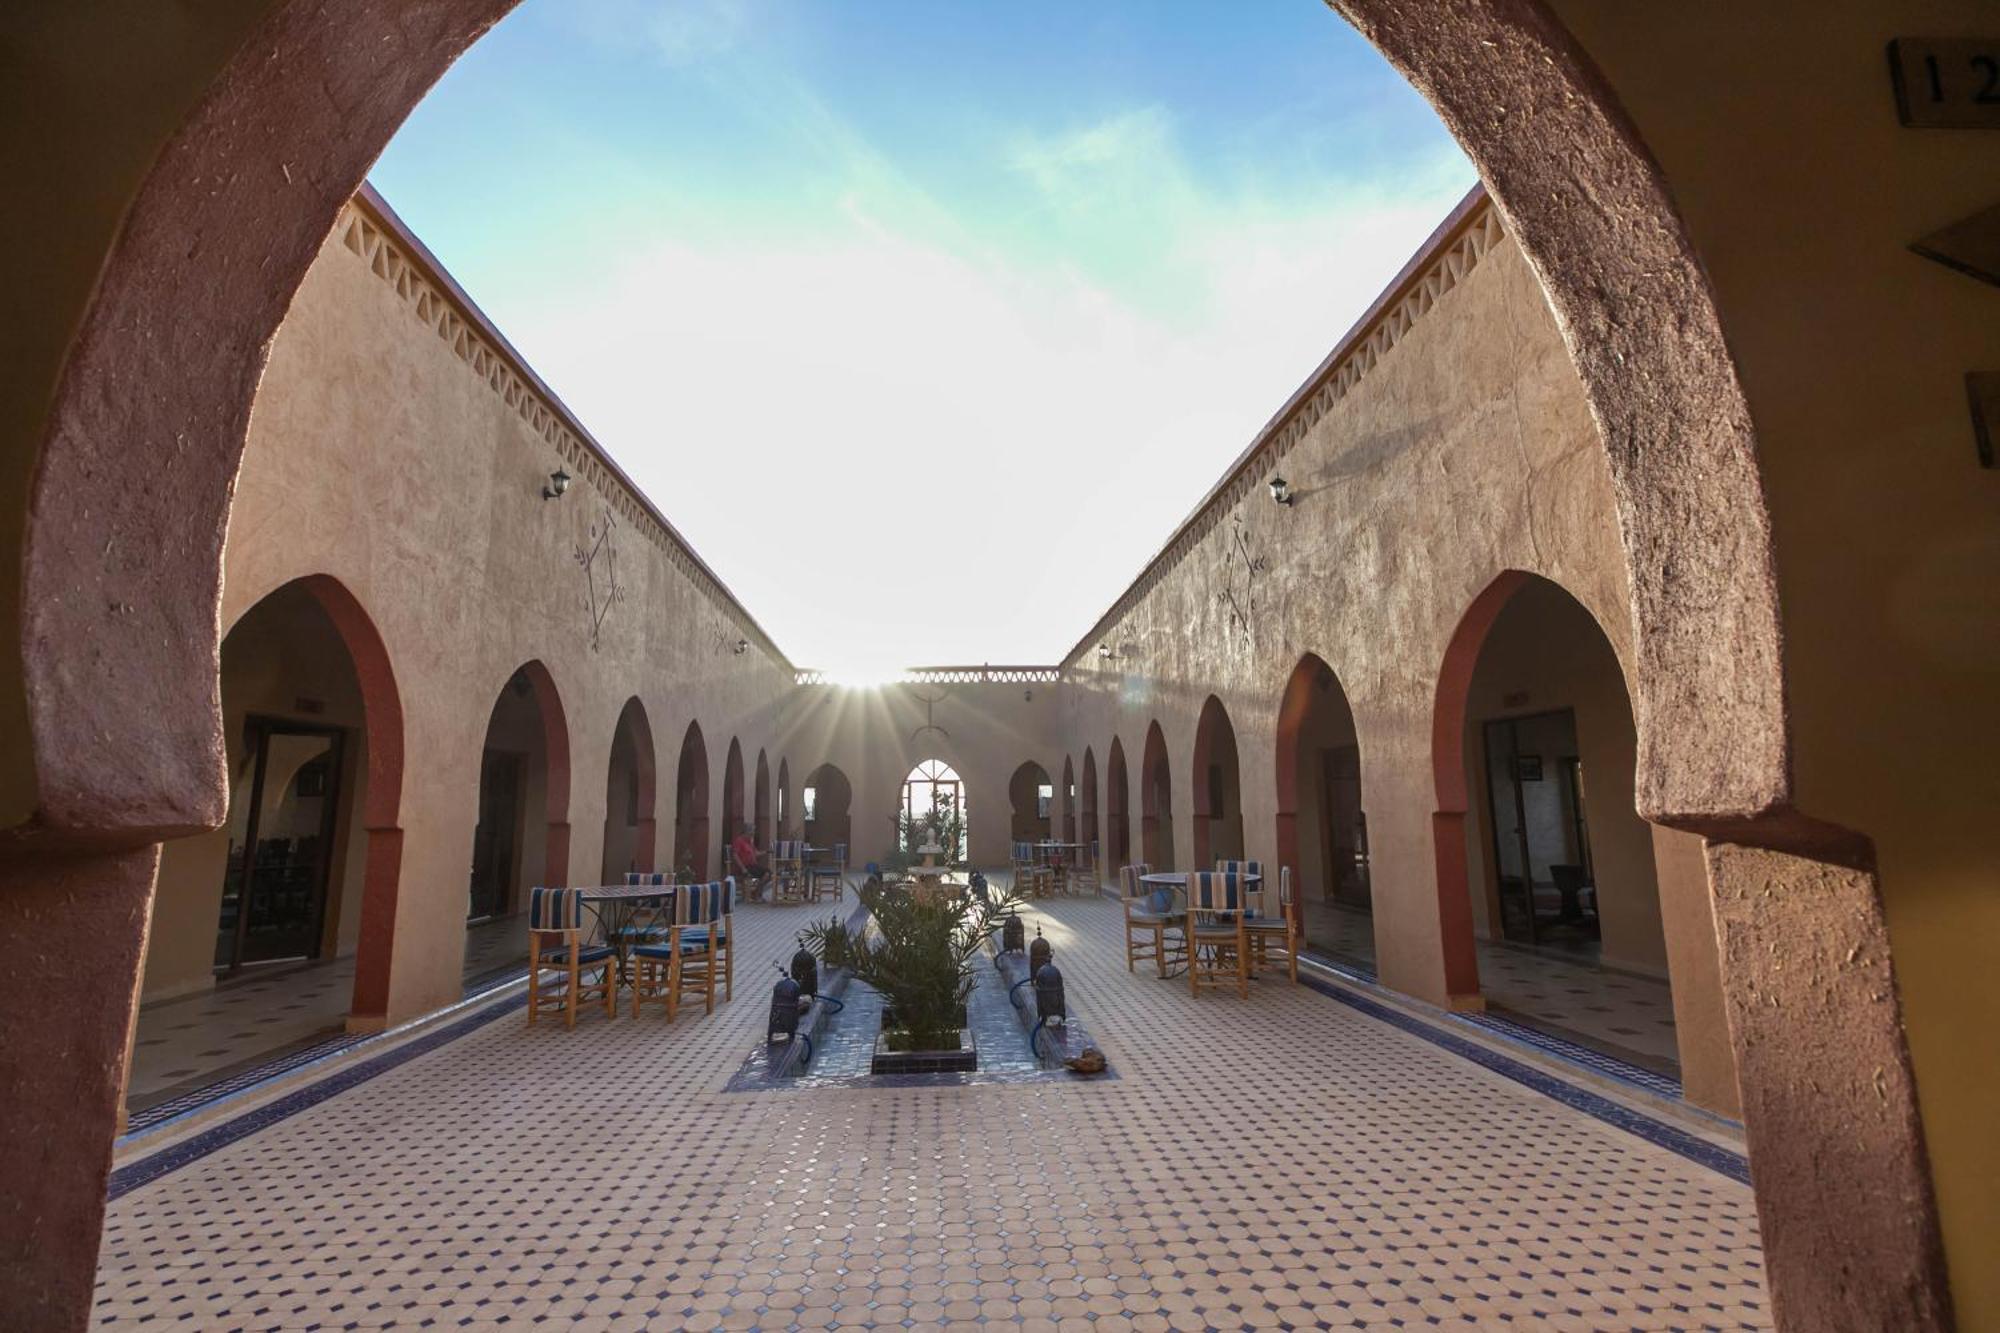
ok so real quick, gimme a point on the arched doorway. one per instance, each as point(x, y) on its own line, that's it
point(784, 795)
point(732, 799)
point(1087, 800)
point(691, 807)
point(631, 825)
point(1031, 796)
point(826, 808)
point(1117, 807)
point(1322, 829)
point(1626, 281)
point(933, 790)
point(522, 834)
point(1536, 749)
point(307, 865)
point(1218, 789)
point(1156, 801)
point(762, 803)
point(1068, 796)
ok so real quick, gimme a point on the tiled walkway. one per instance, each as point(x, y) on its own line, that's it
point(1286, 1162)
point(203, 1038)
point(1620, 1013)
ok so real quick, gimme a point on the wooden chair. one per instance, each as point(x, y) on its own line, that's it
point(555, 944)
point(1031, 876)
point(1150, 921)
point(1218, 941)
point(697, 955)
point(1245, 868)
point(1281, 930)
point(828, 879)
point(788, 867)
point(1083, 876)
point(651, 925)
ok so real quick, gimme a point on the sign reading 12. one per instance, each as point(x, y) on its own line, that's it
point(1946, 83)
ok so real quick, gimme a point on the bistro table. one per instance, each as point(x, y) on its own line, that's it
point(1176, 880)
point(1061, 856)
point(631, 914)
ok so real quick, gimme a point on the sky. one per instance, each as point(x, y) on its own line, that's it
point(925, 321)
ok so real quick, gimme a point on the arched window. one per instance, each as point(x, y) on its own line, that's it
point(934, 789)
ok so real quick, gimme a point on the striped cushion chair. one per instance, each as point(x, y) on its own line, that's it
point(555, 945)
point(1083, 876)
point(1031, 876)
point(647, 924)
point(788, 865)
point(1245, 868)
point(1152, 926)
point(1218, 939)
point(1280, 930)
point(697, 955)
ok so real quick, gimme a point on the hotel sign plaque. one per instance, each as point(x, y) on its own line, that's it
point(1946, 83)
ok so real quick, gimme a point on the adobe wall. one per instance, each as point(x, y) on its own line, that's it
point(397, 447)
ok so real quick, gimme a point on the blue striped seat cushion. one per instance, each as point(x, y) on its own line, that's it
point(595, 953)
point(692, 941)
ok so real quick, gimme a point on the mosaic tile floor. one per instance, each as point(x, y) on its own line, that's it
point(1289, 1161)
point(1620, 1013)
point(186, 1043)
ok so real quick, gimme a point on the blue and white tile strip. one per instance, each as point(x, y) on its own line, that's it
point(1656, 1132)
point(143, 1124)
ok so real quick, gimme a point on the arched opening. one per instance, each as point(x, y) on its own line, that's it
point(306, 868)
point(1156, 801)
point(934, 790)
point(1557, 881)
point(1117, 807)
point(522, 835)
point(691, 807)
point(631, 825)
point(826, 806)
point(732, 799)
point(1032, 798)
point(1067, 796)
point(1218, 788)
point(784, 798)
point(1087, 801)
point(1322, 828)
point(762, 803)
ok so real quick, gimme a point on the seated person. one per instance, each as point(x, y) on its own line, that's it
point(744, 852)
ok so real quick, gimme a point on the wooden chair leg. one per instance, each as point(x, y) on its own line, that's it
point(569, 1001)
point(534, 976)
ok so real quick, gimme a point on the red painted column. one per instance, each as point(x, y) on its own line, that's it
point(374, 951)
point(1461, 961)
point(73, 933)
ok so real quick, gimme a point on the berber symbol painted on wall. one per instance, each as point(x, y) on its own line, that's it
point(599, 558)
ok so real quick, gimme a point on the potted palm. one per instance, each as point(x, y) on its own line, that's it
point(920, 958)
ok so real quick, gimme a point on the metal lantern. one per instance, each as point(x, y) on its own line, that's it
point(1013, 936)
point(1040, 954)
point(805, 971)
point(1049, 1004)
point(784, 1022)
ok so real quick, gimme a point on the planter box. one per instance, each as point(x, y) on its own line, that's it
point(964, 1059)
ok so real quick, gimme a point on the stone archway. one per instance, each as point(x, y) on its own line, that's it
point(120, 564)
point(1322, 830)
point(1117, 807)
point(761, 803)
point(631, 816)
point(1087, 826)
point(732, 799)
point(691, 807)
point(1218, 788)
point(1156, 801)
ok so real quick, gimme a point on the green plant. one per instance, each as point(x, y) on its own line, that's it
point(943, 825)
point(830, 941)
point(921, 958)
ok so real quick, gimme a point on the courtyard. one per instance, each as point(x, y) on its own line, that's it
point(1318, 1157)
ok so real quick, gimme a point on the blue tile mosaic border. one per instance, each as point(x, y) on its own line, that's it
point(139, 1123)
point(1656, 1132)
point(168, 1160)
point(1653, 1081)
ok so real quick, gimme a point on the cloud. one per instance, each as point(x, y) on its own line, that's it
point(679, 33)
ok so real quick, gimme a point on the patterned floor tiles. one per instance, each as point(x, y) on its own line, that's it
point(209, 1039)
point(1286, 1162)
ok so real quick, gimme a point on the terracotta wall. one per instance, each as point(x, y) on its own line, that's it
point(394, 448)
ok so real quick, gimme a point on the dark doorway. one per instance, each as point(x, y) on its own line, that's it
point(282, 815)
point(496, 840)
point(1541, 843)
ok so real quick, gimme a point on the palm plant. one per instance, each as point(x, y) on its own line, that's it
point(920, 958)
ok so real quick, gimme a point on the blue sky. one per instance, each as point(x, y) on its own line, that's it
point(925, 321)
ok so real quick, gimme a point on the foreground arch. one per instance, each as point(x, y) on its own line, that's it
point(631, 815)
point(120, 563)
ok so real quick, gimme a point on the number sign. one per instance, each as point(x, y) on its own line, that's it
point(1947, 83)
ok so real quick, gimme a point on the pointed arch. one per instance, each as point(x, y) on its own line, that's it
point(691, 805)
point(631, 796)
point(760, 803)
point(1218, 788)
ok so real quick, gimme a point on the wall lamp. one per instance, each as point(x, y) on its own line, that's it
point(1281, 490)
point(558, 483)
point(742, 647)
point(1104, 650)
